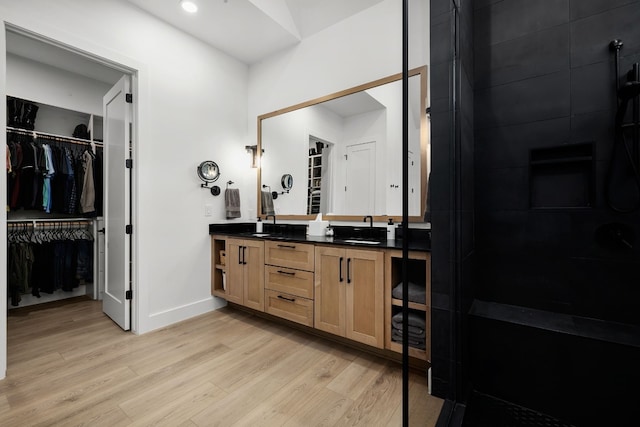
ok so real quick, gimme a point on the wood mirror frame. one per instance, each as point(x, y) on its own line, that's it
point(424, 147)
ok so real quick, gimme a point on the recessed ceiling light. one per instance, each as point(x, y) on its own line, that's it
point(189, 6)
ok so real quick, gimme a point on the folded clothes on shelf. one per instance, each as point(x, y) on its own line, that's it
point(415, 321)
point(419, 344)
point(416, 293)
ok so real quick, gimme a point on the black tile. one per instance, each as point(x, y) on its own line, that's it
point(440, 335)
point(440, 74)
point(467, 232)
point(440, 300)
point(540, 98)
point(592, 88)
point(502, 189)
point(439, 7)
point(597, 127)
point(508, 20)
point(582, 9)
point(484, 3)
point(509, 146)
point(590, 37)
point(529, 56)
point(440, 388)
point(440, 42)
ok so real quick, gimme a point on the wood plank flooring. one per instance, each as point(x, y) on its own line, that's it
point(70, 365)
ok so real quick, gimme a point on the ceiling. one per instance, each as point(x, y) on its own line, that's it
point(251, 30)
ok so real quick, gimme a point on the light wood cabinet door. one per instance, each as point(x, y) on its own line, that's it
point(235, 271)
point(365, 297)
point(253, 284)
point(329, 307)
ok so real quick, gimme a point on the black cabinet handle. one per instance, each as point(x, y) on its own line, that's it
point(244, 255)
point(341, 278)
point(287, 299)
point(288, 273)
point(287, 246)
point(348, 270)
point(239, 254)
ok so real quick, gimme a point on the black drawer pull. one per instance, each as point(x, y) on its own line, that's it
point(348, 270)
point(287, 299)
point(287, 246)
point(288, 273)
point(340, 273)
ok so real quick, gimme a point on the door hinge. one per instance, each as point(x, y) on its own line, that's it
point(128, 163)
point(128, 229)
point(128, 98)
point(129, 295)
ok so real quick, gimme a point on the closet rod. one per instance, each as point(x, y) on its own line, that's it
point(59, 138)
point(49, 224)
point(52, 220)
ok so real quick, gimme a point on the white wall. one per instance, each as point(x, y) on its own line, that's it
point(42, 83)
point(360, 49)
point(192, 106)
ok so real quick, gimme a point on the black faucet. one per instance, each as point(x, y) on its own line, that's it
point(274, 218)
point(370, 218)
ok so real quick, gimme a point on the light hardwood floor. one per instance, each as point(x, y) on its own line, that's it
point(70, 365)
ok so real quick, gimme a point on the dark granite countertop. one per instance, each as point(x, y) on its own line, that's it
point(247, 231)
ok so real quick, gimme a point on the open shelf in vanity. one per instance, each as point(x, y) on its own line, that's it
point(419, 272)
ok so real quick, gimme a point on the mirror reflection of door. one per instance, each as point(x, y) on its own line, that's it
point(360, 178)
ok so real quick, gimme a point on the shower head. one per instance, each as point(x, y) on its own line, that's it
point(629, 90)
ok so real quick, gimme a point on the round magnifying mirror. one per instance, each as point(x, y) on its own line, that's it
point(287, 181)
point(208, 171)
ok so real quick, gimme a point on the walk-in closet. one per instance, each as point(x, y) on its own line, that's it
point(57, 213)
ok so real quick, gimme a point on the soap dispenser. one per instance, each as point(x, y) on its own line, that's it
point(391, 230)
point(259, 226)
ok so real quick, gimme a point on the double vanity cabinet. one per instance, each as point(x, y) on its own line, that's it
point(342, 289)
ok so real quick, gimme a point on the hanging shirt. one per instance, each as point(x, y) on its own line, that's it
point(88, 197)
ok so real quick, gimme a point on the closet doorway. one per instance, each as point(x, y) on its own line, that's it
point(83, 107)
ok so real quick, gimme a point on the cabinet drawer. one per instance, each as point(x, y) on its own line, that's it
point(289, 307)
point(294, 282)
point(289, 254)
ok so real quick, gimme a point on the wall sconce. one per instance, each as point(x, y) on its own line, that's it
point(255, 158)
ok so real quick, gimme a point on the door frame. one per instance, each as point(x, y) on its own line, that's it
point(45, 32)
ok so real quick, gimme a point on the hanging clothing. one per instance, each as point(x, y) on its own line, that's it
point(88, 198)
point(50, 262)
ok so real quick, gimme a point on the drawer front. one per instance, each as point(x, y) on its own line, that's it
point(289, 254)
point(290, 307)
point(289, 281)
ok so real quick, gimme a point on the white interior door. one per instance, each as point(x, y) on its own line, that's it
point(361, 179)
point(116, 302)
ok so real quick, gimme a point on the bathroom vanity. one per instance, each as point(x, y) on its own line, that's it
point(342, 286)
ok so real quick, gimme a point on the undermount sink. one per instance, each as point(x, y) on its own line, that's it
point(364, 242)
point(261, 234)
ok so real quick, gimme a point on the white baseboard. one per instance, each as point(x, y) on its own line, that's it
point(177, 314)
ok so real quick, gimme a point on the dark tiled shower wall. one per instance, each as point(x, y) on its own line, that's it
point(451, 196)
point(544, 77)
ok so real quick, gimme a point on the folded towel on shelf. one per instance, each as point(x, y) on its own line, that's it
point(422, 335)
point(416, 293)
point(419, 344)
point(413, 319)
point(232, 203)
point(267, 203)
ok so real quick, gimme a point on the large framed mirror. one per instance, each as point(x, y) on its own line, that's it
point(344, 151)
